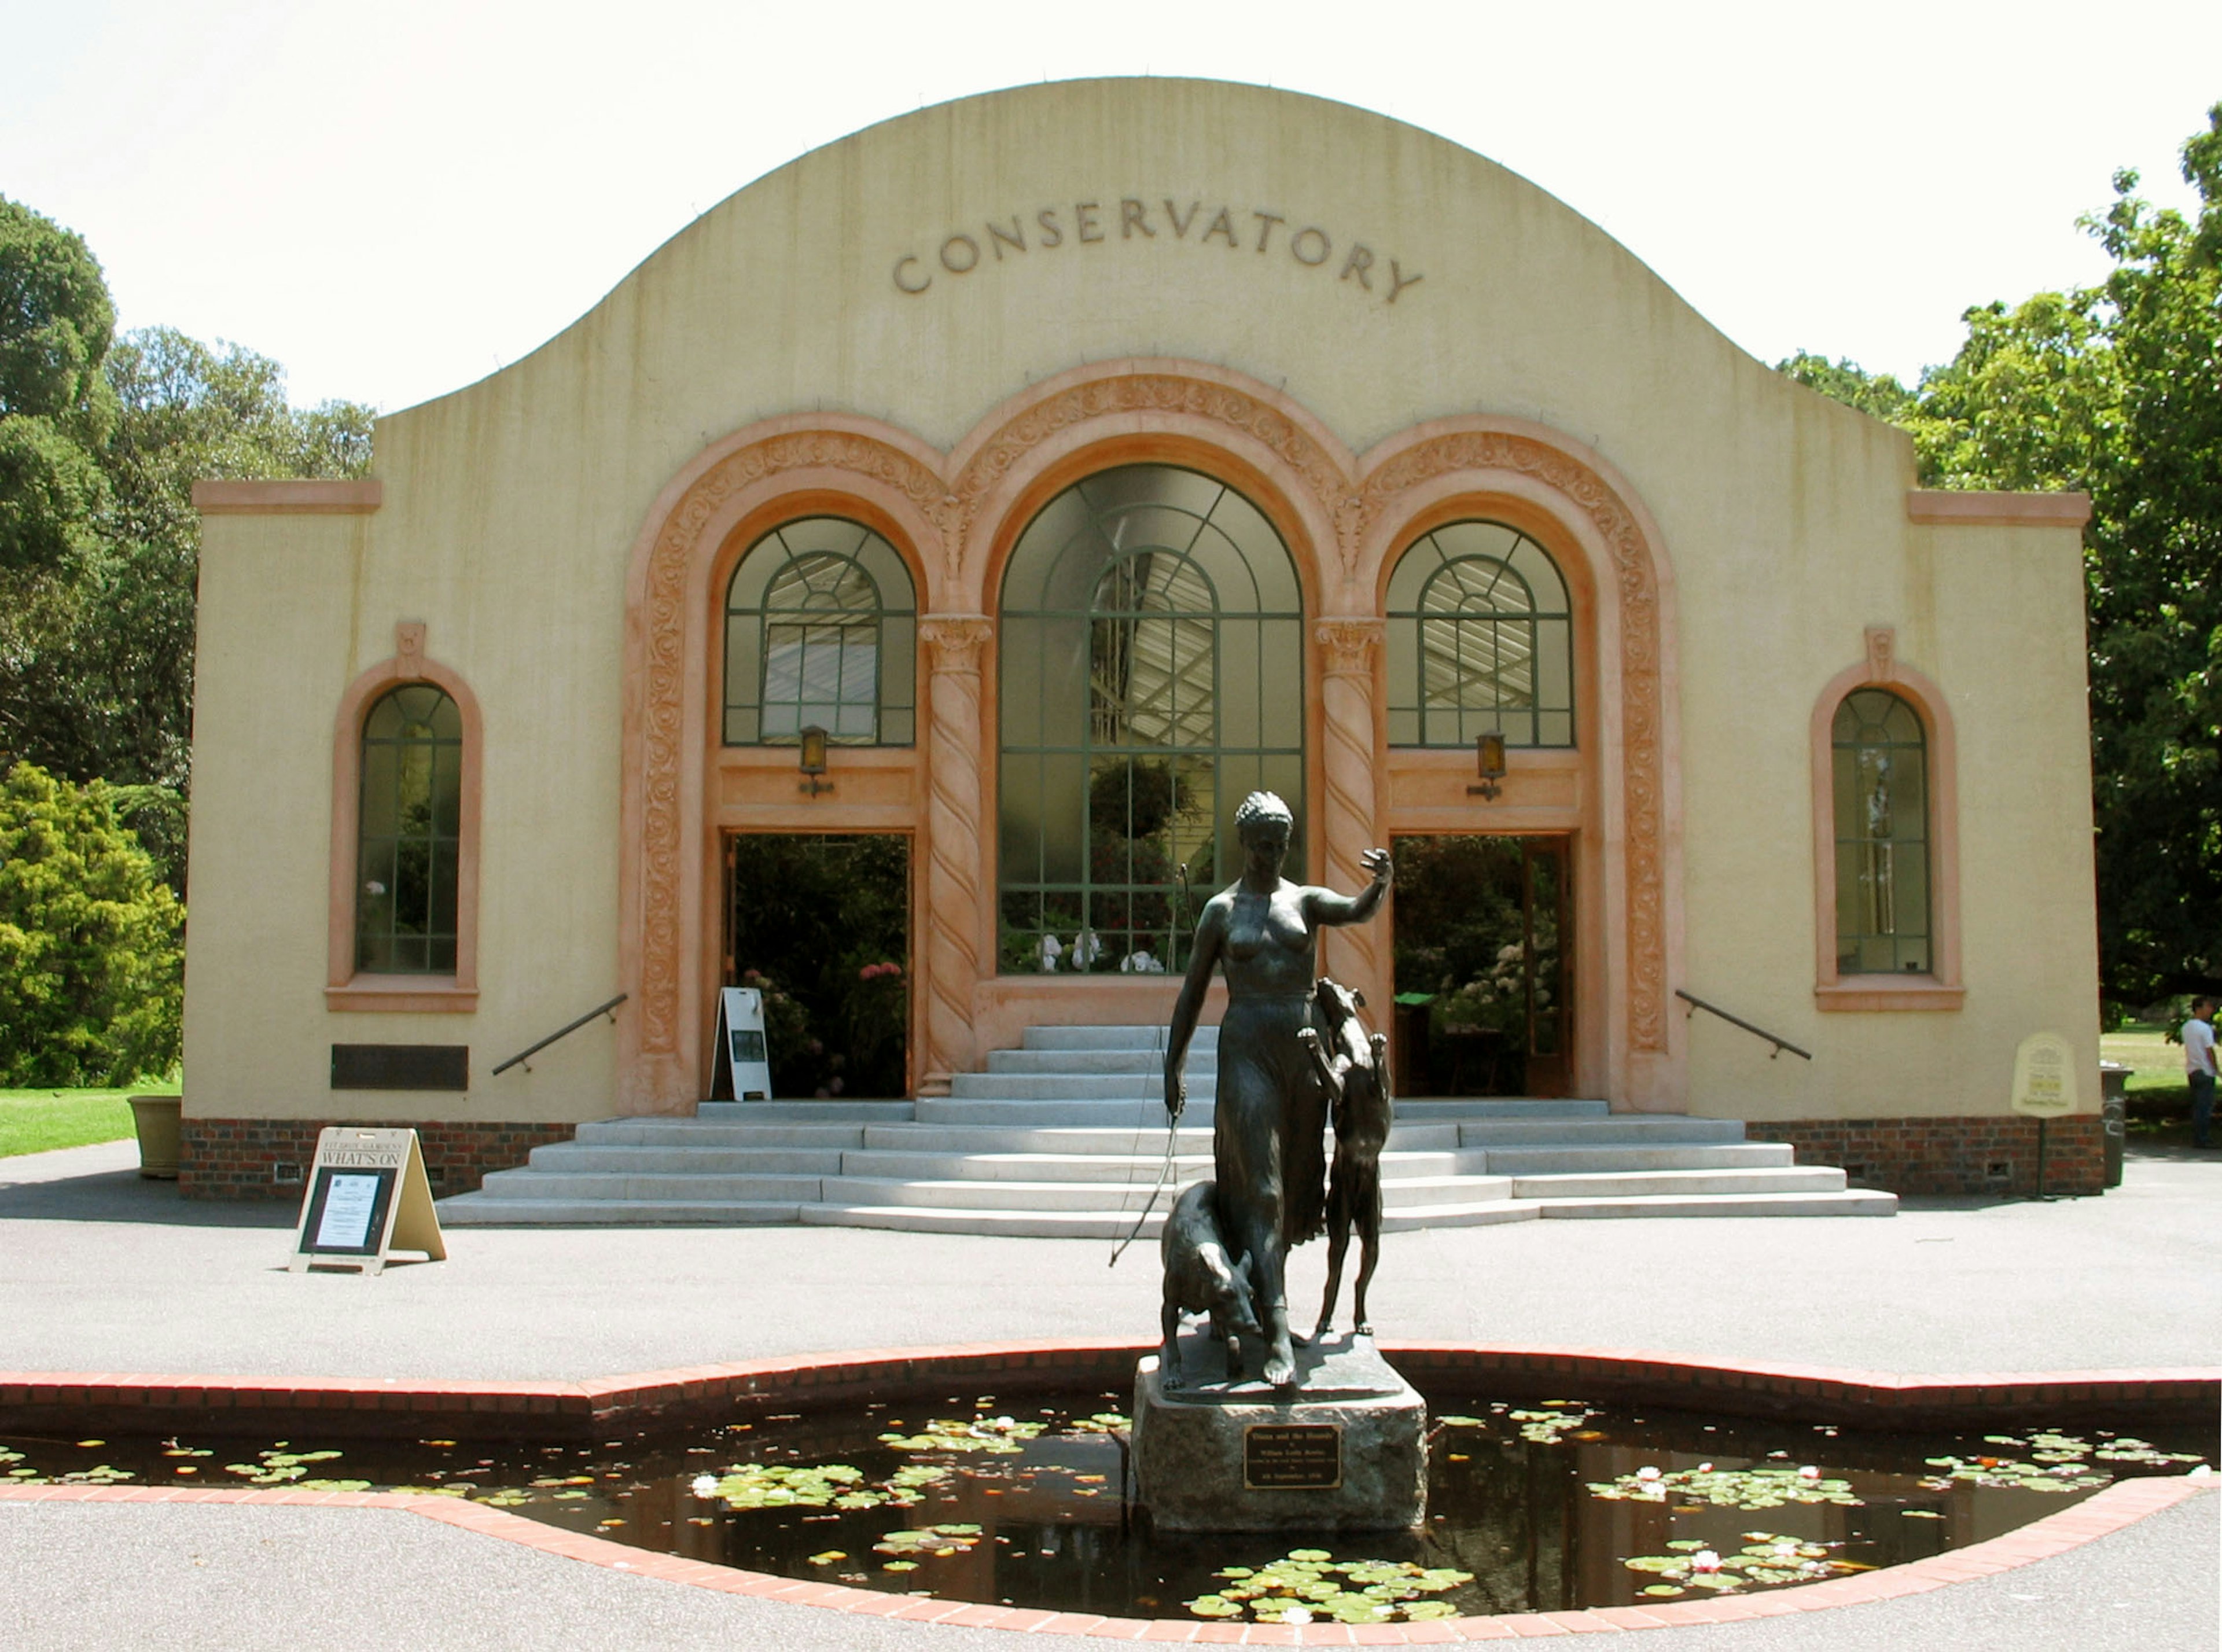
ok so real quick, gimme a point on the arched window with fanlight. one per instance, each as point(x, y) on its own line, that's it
point(410, 826)
point(1879, 765)
point(1151, 642)
point(820, 631)
point(1480, 641)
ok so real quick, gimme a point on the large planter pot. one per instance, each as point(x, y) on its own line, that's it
point(156, 1117)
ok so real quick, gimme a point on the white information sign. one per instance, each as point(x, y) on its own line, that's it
point(2044, 1076)
point(367, 1196)
point(740, 1066)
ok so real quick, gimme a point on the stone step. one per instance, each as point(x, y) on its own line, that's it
point(1135, 1112)
point(803, 1112)
point(1606, 1184)
point(1551, 1161)
point(1106, 1224)
point(1105, 1167)
point(477, 1211)
point(691, 1132)
point(650, 1185)
point(1113, 1038)
point(1647, 1128)
point(1849, 1203)
point(1070, 1087)
point(1428, 1191)
point(1477, 1108)
point(1144, 1138)
point(1146, 1063)
point(573, 1157)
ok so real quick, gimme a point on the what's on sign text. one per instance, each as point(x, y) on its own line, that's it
point(1164, 223)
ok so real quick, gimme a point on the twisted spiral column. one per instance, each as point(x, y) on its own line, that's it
point(1349, 647)
point(953, 644)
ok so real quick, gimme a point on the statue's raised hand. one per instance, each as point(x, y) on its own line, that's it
point(1378, 862)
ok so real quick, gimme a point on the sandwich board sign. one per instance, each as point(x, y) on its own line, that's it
point(367, 1196)
point(741, 1064)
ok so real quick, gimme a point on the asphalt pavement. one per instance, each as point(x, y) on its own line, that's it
point(102, 1270)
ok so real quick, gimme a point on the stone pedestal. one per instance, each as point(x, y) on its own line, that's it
point(1344, 1450)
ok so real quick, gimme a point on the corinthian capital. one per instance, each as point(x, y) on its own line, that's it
point(1350, 643)
point(953, 641)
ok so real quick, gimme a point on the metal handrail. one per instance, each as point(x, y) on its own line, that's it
point(1780, 1045)
point(562, 1032)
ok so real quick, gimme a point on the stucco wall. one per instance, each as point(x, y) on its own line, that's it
point(511, 507)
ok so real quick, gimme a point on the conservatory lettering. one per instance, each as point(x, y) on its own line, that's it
point(1164, 221)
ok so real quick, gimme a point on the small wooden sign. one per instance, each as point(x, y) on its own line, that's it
point(1292, 1457)
point(2044, 1076)
point(740, 1065)
point(367, 1196)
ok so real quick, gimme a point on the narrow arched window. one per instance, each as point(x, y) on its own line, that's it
point(409, 832)
point(820, 631)
point(1480, 641)
point(1880, 805)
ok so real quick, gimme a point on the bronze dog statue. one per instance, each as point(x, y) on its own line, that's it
point(1202, 1277)
point(1353, 1069)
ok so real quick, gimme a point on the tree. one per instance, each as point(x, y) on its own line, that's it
point(2117, 389)
point(100, 444)
point(92, 973)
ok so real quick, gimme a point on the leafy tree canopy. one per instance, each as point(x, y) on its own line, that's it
point(2115, 389)
point(91, 972)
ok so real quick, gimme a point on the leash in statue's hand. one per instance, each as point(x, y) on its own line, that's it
point(1176, 1102)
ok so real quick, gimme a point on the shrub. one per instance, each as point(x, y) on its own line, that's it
point(91, 970)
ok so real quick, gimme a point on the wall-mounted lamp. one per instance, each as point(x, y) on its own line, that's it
point(1489, 758)
point(813, 761)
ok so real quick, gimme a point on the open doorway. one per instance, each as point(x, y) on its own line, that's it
point(1482, 934)
point(821, 922)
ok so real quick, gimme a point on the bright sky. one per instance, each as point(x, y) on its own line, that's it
point(395, 199)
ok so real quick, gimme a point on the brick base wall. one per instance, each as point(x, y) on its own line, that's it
point(1996, 1154)
point(244, 1158)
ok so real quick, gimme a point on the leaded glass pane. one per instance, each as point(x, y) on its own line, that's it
point(1152, 649)
point(1480, 641)
point(409, 819)
point(1879, 809)
point(820, 629)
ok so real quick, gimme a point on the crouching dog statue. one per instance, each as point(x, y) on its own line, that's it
point(1271, 1192)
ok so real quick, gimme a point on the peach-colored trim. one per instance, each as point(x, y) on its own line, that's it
point(1998, 509)
point(345, 990)
point(668, 844)
point(1628, 822)
point(958, 517)
point(288, 498)
point(1852, 992)
point(1942, 988)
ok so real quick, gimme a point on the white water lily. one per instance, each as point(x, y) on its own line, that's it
point(1297, 1615)
point(1705, 1560)
point(1647, 1472)
point(705, 1486)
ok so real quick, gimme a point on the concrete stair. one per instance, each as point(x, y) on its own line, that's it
point(1065, 1137)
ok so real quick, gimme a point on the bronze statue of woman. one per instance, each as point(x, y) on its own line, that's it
point(1271, 1117)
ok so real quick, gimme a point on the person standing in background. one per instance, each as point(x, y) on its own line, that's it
point(2199, 1066)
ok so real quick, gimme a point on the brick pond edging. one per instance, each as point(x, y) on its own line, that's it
point(360, 1407)
point(2105, 1511)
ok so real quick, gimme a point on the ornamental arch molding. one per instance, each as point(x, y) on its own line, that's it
point(957, 517)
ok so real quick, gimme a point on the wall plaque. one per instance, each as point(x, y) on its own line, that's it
point(1292, 1457)
point(367, 1196)
point(401, 1066)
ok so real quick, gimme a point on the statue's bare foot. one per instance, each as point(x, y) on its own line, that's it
point(1281, 1368)
point(1361, 1329)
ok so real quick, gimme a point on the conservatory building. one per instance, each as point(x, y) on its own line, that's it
point(886, 596)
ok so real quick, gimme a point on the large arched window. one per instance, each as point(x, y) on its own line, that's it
point(1151, 650)
point(409, 834)
point(820, 631)
point(1480, 641)
point(1880, 795)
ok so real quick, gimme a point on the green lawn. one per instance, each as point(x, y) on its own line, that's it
point(38, 1120)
